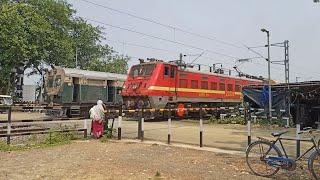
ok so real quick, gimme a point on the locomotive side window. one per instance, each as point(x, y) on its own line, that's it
point(135, 72)
point(194, 84)
point(214, 86)
point(204, 85)
point(148, 69)
point(238, 88)
point(166, 70)
point(222, 87)
point(172, 72)
point(229, 87)
point(183, 83)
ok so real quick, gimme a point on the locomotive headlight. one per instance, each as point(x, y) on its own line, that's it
point(124, 86)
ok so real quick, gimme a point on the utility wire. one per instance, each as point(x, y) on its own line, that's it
point(257, 53)
point(174, 28)
point(198, 57)
point(139, 45)
point(163, 39)
point(171, 51)
point(206, 57)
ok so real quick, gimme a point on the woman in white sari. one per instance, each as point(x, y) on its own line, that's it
point(97, 116)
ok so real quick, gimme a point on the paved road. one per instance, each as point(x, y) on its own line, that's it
point(232, 137)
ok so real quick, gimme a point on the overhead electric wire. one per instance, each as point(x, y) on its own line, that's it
point(206, 57)
point(257, 53)
point(274, 62)
point(174, 28)
point(142, 46)
point(171, 51)
point(163, 39)
point(198, 57)
point(168, 26)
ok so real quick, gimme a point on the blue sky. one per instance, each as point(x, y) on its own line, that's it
point(236, 22)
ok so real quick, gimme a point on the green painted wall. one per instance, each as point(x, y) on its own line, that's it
point(66, 94)
point(88, 94)
point(93, 93)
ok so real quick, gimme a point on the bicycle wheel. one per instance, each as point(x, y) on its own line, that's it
point(314, 164)
point(256, 155)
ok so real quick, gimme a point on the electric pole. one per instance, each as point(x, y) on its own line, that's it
point(286, 61)
point(269, 73)
point(287, 74)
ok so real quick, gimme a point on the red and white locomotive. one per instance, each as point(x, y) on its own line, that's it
point(156, 84)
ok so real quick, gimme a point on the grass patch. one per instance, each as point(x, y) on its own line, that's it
point(158, 174)
point(107, 135)
point(104, 139)
point(34, 141)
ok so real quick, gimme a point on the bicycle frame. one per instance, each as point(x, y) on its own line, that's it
point(314, 146)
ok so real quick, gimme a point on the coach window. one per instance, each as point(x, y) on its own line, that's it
point(166, 70)
point(194, 84)
point(204, 85)
point(222, 87)
point(57, 81)
point(172, 72)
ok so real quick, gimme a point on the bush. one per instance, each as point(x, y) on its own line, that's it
point(54, 138)
point(227, 120)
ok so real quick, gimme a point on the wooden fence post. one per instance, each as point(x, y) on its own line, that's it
point(247, 118)
point(142, 125)
point(119, 122)
point(169, 125)
point(201, 127)
point(298, 128)
point(9, 126)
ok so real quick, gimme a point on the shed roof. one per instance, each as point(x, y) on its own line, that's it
point(93, 74)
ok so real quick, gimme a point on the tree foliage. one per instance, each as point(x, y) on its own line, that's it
point(34, 33)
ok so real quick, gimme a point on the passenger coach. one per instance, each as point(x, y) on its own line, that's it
point(76, 89)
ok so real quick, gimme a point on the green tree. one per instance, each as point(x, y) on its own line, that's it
point(110, 62)
point(36, 33)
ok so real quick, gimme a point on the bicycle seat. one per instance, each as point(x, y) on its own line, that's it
point(278, 134)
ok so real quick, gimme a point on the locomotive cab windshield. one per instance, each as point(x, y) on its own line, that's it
point(142, 70)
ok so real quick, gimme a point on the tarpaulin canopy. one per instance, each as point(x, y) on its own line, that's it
point(303, 100)
point(259, 97)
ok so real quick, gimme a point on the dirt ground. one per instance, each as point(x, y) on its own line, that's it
point(95, 160)
point(92, 159)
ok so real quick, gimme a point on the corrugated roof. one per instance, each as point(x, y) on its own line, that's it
point(93, 74)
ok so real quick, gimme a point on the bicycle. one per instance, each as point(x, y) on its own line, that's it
point(268, 159)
